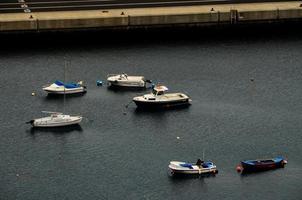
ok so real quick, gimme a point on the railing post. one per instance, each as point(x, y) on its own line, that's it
point(233, 16)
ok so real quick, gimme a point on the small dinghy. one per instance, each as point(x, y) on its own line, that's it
point(59, 87)
point(123, 80)
point(200, 167)
point(261, 165)
point(159, 99)
point(55, 120)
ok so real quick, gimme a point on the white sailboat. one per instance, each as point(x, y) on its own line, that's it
point(56, 119)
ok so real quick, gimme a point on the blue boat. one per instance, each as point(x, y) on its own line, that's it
point(261, 164)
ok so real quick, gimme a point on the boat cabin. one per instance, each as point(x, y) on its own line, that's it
point(123, 76)
point(52, 114)
point(159, 90)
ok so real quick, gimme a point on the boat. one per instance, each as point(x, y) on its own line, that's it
point(123, 80)
point(178, 167)
point(55, 119)
point(261, 164)
point(159, 99)
point(59, 87)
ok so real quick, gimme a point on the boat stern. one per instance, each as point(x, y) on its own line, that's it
point(280, 160)
point(31, 122)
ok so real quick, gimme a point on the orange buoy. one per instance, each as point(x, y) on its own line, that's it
point(238, 168)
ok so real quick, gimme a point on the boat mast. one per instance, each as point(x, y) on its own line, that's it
point(65, 63)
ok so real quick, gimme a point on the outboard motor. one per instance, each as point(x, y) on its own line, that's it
point(30, 122)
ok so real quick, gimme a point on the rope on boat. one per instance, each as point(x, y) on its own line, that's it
point(127, 105)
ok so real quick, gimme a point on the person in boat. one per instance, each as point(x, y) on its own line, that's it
point(199, 162)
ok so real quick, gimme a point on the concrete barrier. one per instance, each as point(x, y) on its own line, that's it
point(145, 17)
point(190, 18)
point(290, 14)
point(264, 15)
point(17, 22)
point(82, 23)
point(80, 19)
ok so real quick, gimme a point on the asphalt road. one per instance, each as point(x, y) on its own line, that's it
point(13, 6)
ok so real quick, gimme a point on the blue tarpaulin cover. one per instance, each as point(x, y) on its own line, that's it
point(278, 159)
point(187, 165)
point(207, 164)
point(67, 85)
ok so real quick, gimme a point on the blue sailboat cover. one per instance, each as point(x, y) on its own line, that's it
point(67, 85)
point(278, 159)
point(207, 164)
point(188, 165)
point(249, 162)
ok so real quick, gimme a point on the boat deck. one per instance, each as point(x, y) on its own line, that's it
point(173, 96)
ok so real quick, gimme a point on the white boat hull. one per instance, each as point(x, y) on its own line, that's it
point(123, 80)
point(203, 171)
point(51, 122)
point(127, 84)
point(150, 101)
point(62, 89)
point(175, 168)
point(66, 91)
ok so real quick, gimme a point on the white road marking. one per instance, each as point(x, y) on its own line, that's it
point(61, 2)
point(103, 5)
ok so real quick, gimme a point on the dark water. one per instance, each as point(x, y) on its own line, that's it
point(120, 153)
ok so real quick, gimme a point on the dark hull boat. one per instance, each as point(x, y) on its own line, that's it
point(159, 99)
point(261, 165)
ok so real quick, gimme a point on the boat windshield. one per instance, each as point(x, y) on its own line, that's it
point(123, 76)
point(155, 92)
point(54, 115)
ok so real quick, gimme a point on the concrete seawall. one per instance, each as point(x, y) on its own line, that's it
point(148, 17)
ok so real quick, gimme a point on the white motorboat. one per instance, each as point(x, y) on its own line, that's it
point(59, 87)
point(123, 80)
point(159, 99)
point(55, 120)
point(178, 167)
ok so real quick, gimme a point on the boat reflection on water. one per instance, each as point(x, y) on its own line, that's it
point(51, 96)
point(246, 174)
point(161, 109)
point(181, 177)
point(57, 130)
point(127, 89)
point(183, 108)
point(190, 176)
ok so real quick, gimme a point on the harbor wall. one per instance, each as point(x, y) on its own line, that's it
point(149, 17)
